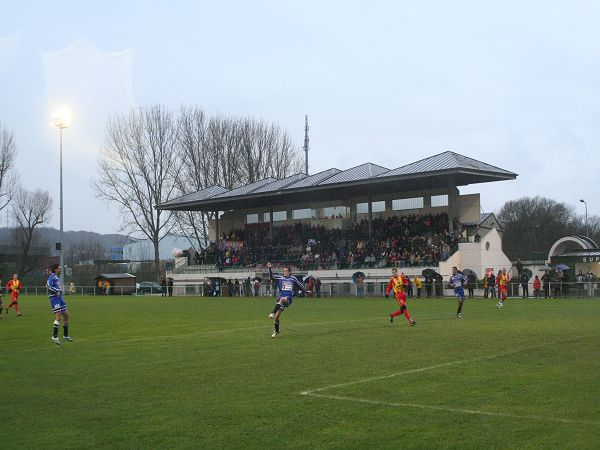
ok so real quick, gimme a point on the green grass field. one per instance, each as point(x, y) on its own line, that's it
point(150, 372)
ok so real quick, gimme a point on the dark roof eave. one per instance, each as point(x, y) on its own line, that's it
point(229, 203)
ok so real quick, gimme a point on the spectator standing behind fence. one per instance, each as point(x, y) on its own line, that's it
point(486, 285)
point(580, 283)
point(418, 286)
point(100, 286)
point(525, 284)
point(360, 287)
point(566, 285)
point(256, 287)
point(106, 287)
point(236, 287)
point(318, 287)
point(557, 282)
point(471, 282)
point(163, 285)
point(546, 282)
point(537, 284)
point(492, 284)
point(230, 288)
point(428, 284)
point(247, 287)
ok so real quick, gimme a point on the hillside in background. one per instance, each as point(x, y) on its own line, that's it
point(50, 236)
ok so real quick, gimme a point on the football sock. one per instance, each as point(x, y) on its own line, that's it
point(65, 330)
point(407, 315)
point(55, 329)
point(277, 326)
point(459, 308)
point(17, 308)
point(396, 314)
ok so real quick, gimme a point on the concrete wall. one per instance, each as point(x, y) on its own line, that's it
point(478, 256)
point(468, 208)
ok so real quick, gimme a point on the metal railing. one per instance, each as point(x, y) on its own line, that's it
point(299, 265)
point(372, 287)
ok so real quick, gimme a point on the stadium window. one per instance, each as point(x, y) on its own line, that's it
point(407, 203)
point(252, 218)
point(279, 216)
point(439, 200)
point(266, 217)
point(378, 206)
point(335, 211)
point(303, 214)
point(362, 208)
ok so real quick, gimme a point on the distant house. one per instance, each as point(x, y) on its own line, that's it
point(120, 283)
point(143, 249)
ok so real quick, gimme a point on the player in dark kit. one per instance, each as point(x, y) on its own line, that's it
point(287, 284)
point(457, 281)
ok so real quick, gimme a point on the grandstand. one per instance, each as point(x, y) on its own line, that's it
point(334, 222)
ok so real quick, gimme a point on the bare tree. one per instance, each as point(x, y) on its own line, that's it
point(136, 171)
point(227, 152)
point(8, 176)
point(30, 209)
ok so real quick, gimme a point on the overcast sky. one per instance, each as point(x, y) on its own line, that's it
point(515, 84)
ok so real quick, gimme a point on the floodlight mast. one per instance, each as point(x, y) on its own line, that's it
point(61, 120)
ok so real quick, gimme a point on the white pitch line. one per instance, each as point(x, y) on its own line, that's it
point(436, 366)
point(89, 339)
point(454, 410)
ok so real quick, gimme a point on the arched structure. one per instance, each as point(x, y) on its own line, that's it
point(567, 243)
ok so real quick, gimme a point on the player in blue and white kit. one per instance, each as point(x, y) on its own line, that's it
point(458, 281)
point(59, 307)
point(287, 284)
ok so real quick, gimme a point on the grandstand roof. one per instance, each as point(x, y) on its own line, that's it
point(438, 171)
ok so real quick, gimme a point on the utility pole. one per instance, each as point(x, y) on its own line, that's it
point(306, 144)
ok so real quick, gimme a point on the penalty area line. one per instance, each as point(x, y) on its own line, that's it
point(452, 410)
point(437, 366)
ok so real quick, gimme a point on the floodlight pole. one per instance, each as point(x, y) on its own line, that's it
point(61, 121)
point(586, 218)
point(62, 273)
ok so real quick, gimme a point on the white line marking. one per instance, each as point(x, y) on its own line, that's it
point(454, 410)
point(314, 392)
point(98, 338)
point(437, 366)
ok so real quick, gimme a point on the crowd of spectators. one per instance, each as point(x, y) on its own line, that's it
point(402, 241)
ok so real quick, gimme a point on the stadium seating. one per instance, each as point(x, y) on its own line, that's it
point(403, 241)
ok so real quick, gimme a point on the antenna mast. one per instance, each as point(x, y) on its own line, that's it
point(306, 143)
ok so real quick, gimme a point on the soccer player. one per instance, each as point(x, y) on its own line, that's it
point(287, 284)
point(502, 282)
point(59, 307)
point(398, 283)
point(457, 281)
point(14, 287)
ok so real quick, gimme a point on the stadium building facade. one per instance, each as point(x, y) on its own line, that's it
point(340, 200)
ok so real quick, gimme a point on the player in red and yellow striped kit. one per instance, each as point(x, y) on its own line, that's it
point(398, 283)
point(14, 287)
point(502, 282)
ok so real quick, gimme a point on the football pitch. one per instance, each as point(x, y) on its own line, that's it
point(187, 372)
